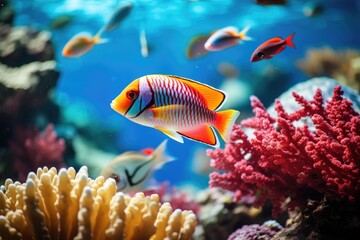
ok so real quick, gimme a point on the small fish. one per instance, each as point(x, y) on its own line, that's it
point(81, 44)
point(225, 38)
point(132, 170)
point(118, 15)
point(270, 2)
point(177, 107)
point(61, 22)
point(143, 43)
point(313, 9)
point(271, 47)
point(195, 48)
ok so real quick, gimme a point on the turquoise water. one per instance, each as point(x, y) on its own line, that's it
point(99, 76)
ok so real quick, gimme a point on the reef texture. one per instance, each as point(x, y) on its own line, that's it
point(28, 85)
point(323, 220)
point(28, 75)
point(31, 149)
point(287, 164)
point(219, 216)
point(307, 90)
point(256, 232)
point(23, 45)
point(70, 205)
point(342, 65)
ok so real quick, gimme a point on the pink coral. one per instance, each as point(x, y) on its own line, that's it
point(31, 149)
point(286, 163)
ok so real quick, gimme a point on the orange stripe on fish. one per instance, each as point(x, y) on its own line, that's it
point(177, 107)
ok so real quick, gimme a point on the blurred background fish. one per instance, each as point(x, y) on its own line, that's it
point(81, 44)
point(133, 170)
point(225, 38)
point(195, 47)
point(270, 2)
point(118, 15)
point(144, 49)
point(61, 21)
point(313, 8)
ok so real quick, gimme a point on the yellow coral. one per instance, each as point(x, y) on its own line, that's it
point(70, 205)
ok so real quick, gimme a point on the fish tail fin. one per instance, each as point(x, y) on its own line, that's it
point(160, 155)
point(242, 35)
point(289, 40)
point(97, 38)
point(224, 122)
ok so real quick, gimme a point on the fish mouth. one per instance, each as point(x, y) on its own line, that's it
point(115, 106)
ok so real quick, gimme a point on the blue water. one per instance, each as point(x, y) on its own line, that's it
point(100, 75)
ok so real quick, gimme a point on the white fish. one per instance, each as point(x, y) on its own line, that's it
point(132, 170)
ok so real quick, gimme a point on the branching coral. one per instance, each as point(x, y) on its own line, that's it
point(288, 164)
point(343, 65)
point(70, 205)
point(31, 149)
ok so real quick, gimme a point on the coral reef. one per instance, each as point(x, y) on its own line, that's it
point(23, 45)
point(325, 219)
point(31, 88)
point(31, 149)
point(308, 88)
point(342, 65)
point(219, 216)
point(70, 205)
point(288, 164)
point(178, 199)
point(28, 75)
point(254, 232)
point(6, 14)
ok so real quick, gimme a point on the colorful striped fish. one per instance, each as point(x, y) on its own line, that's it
point(178, 107)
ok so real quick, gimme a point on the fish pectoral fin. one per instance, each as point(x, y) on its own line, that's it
point(204, 134)
point(158, 112)
point(171, 133)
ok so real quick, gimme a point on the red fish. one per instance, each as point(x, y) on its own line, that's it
point(271, 47)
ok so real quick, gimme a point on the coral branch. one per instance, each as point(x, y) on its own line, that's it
point(286, 163)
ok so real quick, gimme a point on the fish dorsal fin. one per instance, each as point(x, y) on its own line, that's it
point(214, 98)
point(275, 39)
point(232, 30)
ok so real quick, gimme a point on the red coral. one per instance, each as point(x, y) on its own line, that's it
point(285, 163)
point(31, 149)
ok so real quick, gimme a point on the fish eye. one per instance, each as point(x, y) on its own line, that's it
point(260, 55)
point(132, 95)
point(116, 178)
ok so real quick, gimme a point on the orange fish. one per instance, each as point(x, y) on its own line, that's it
point(271, 47)
point(177, 107)
point(81, 44)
